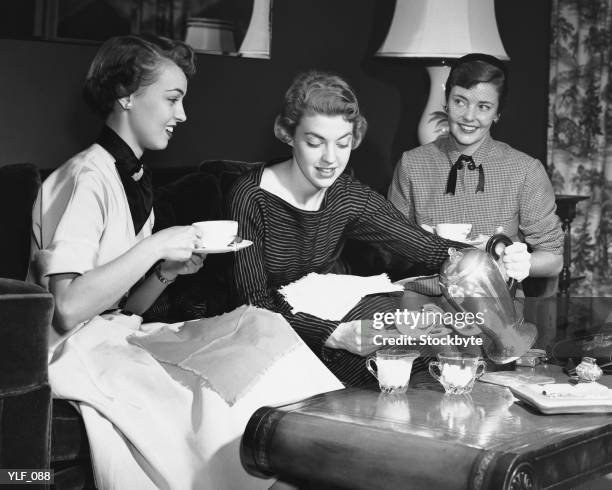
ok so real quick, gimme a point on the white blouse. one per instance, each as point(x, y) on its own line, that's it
point(81, 218)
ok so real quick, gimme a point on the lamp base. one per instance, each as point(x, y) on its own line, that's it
point(256, 43)
point(434, 121)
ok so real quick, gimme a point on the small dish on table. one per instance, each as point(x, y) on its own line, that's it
point(565, 397)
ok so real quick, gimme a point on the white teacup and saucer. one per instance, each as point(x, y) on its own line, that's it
point(219, 236)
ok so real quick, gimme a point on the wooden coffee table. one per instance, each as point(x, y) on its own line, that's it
point(361, 439)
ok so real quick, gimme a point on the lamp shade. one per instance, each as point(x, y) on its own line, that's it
point(443, 29)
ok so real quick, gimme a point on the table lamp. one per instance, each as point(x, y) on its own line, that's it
point(256, 43)
point(439, 31)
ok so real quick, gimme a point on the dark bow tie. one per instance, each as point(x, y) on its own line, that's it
point(463, 160)
point(135, 177)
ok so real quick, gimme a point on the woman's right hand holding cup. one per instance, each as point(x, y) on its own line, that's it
point(175, 243)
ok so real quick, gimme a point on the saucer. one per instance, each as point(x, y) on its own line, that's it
point(227, 248)
point(475, 242)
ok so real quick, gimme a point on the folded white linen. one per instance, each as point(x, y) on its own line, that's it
point(153, 425)
point(216, 348)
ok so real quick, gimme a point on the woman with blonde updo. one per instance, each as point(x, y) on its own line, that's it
point(299, 213)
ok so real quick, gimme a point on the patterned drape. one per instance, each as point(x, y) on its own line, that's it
point(580, 133)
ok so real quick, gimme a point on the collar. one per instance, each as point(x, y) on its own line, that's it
point(479, 156)
point(126, 161)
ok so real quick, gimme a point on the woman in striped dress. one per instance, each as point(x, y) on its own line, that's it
point(299, 213)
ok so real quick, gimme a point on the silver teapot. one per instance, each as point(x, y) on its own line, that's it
point(472, 282)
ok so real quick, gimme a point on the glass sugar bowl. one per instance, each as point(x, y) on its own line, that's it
point(588, 370)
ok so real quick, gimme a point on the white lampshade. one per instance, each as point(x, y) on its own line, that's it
point(443, 29)
point(256, 43)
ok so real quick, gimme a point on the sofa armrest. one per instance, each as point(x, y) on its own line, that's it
point(25, 397)
point(26, 311)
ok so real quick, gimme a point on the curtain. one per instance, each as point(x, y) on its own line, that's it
point(580, 133)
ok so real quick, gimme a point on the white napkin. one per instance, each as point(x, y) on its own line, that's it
point(218, 349)
point(332, 296)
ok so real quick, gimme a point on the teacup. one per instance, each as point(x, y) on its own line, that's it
point(216, 234)
point(453, 231)
point(457, 372)
point(393, 368)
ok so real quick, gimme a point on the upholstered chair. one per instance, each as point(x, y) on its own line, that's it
point(35, 432)
point(26, 311)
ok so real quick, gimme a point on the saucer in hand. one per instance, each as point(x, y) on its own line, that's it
point(233, 246)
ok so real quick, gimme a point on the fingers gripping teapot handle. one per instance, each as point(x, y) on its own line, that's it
point(495, 247)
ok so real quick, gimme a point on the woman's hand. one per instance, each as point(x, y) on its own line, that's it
point(176, 243)
point(358, 337)
point(517, 261)
point(173, 268)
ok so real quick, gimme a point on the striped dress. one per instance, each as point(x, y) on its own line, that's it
point(289, 243)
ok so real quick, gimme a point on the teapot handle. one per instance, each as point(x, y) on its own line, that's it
point(491, 246)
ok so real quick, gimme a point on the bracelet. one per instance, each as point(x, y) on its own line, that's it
point(160, 276)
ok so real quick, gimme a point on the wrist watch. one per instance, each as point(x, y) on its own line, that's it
point(160, 276)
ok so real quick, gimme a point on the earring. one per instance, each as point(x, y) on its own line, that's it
point(126, 104)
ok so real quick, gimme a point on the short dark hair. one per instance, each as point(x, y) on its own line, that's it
point(476, 68)
point(123, 64)
point(315, 92)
